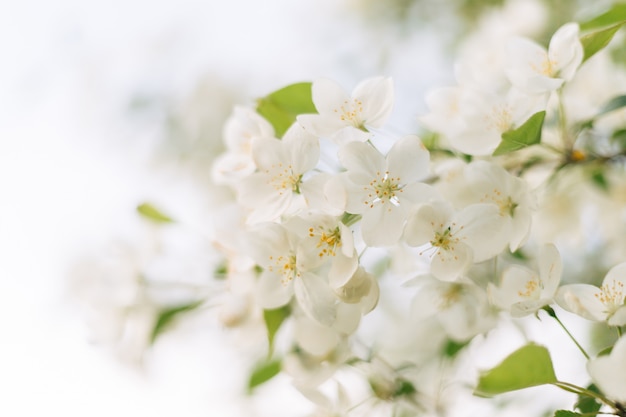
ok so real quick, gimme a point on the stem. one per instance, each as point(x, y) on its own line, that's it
point(583, 391)
point(552, 314)
point(619, 331)
point(563, 123)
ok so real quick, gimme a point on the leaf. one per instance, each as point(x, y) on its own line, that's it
point(595, 41)
point(528, 366)
point(614, 15)
point(153, 214)
point(166, 317)
point(281, 107)
point(262, 373)
point(566, 413)
point(613, 104)
point(273, 320)
point(452, 347)
point(527, 134)
point(588, 405)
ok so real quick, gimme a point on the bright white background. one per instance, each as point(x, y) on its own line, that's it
point(72, 169)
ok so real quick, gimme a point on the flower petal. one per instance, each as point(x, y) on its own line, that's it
point(408, 159)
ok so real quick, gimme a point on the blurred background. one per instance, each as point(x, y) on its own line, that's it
point(105, 105)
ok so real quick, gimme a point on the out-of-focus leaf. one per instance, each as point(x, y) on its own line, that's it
point(616, 14)
point(595, 41)
point(167, 316)
point(153, 214)
point(528, 366)
point(588, 405)
point(273, 320)
point(262, 373)
point(451, 348)
point(527, 134)
point(566, 413)
point(281, 107)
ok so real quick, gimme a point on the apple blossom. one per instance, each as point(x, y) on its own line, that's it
point(608, 372)
point(607, 303)
point(522, 291)
point(345, 118)
point(383, 189)
point(534, 70)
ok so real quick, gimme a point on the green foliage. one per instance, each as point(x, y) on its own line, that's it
point(595, 41)
point(281, 107)
point(566, 413)
point(616, 14)
point(273, 320)
point(451, 348)
point(586, 404)
point(262, 373)
point(527, 134)
point(528, 366)
point(167, 316)
point(599, 179)
point(148, 211)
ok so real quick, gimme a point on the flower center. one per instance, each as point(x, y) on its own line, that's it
point(444, 240)
point(329, 240)
point(612, 296)
point(285, 266)
point(451, 296)
point(530, 289)
point(350, 112)
point(548, 67)
point(505, 203)
point(500, 118)
point(283, 179)
point(383, 188)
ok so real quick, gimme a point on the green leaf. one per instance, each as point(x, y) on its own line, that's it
point(606, 351)
point(599, 179)
point(451, 348)
point(613, 104)
point(587, 404)
point(153, 214)
point(566, 413)
point(281, 107)
point(614, 15)
point(273, 320)
point(167, 316)
point(595, 41)
point(262, 373)
point(527, 134)
point(528, 366)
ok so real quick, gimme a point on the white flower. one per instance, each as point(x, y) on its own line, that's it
point(239, 131)
point(461, 307)
point(383, 189)
point(457, 239)
point(608, 372)
point(522, 291)
point(345, 118)
point(607, 303)
point(288, 269)
point(534, 70)
point(474, 121)
point(487, 182)
point(272, 190)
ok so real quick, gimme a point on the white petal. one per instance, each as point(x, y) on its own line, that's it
point(348, 318)
point(408, 159)
point(608, 372)
point(483, 229)
point(425, 221)
point(376, 94)
point(447, 265)
point(302, 148)
point(362, 159)
point(383, 224)
point(581, 299)
point(314, 338)
point(342, 269)
point(315, 298)
point(550, 269)
point(566, 50)
point(328, 96)
point(268, 152)
point(271, 293)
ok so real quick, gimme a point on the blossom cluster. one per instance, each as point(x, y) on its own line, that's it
point(335, 227)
